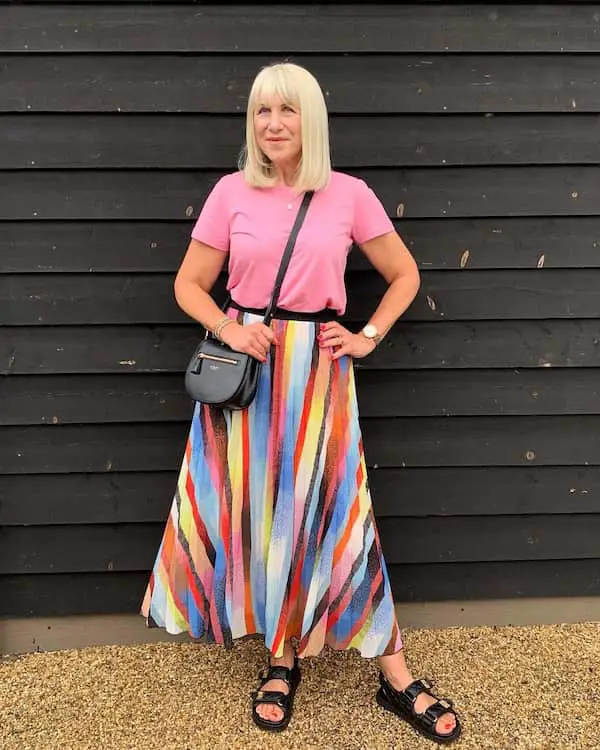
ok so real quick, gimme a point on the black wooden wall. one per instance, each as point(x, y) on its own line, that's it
point(477, 125)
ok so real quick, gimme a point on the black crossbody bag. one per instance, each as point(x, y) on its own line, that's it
point(216, 373)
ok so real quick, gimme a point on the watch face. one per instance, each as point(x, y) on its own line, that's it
point(370, 331)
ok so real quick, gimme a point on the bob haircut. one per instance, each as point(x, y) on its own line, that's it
point(296, 86)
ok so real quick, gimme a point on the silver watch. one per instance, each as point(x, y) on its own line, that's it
point(370, 332)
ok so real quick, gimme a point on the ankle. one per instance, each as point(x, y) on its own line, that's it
point(399, 677)
point(286, 659)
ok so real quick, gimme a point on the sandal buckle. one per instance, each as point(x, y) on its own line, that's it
point(445, 704)
point(426, 684)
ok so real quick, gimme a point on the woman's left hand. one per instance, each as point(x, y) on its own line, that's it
point(344, 342)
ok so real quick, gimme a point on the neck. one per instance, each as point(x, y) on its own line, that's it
point(286, 173)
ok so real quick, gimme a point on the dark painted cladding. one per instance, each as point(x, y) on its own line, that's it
point(355, 84)
point(475, 124)
point(402, 27)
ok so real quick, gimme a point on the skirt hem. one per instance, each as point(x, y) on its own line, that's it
point(259, 636)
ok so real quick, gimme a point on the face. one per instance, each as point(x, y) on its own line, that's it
point(277, 130)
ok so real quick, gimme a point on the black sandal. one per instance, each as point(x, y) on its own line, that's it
point(401, 702)
point(275, 697)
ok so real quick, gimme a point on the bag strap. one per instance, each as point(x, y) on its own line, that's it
point(287, 254)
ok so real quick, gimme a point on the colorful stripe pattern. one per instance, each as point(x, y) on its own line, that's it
point(271, 530)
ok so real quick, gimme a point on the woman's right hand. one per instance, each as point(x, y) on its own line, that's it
point(254, 339)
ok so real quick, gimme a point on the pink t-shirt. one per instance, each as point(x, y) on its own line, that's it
point(253, 225)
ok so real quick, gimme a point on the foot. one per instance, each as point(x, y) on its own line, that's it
point(269, 711)
point(398, 675)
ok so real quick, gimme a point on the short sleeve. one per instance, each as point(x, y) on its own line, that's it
point(212, 226)
point(370, 217)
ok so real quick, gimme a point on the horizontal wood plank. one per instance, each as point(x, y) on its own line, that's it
point(541, 391)
point(390, 443)
point(84, 299)
point(100, 399)
point(57, 246)
point(466, 192)
point(133, 497)
point(63, 594)
point(66, 594)
point(97, 349)
point(485, 295)
point(76, 549)
point(494, 580)
point(91, 448)
point(131, 547)
point(77, 298)
point(161, 348)
point(367, 84)
point(153, 246)
point(484, 491)
point(89, 399)
point(302, 28)
point(169, 141)
point(111, 498)
point(481, 441)
point(489, 539)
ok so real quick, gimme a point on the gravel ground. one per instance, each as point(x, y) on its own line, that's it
point(527, 688)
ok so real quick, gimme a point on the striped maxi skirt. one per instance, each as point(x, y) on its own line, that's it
point(271, 530)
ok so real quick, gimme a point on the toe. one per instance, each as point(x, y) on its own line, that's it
point(445, 724)
point(270, 713)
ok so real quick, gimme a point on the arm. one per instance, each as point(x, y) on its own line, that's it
point(195, 278)
point(389, 255)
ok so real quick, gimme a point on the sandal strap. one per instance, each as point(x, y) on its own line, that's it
point(410, 693)
point(414, 690)
point(271, 672)
point(430, 716)
point(279, 673)
point(406, 699)
point(272, 697)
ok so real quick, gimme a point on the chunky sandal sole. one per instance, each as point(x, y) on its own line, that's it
point(267, 726)
point(441, 739)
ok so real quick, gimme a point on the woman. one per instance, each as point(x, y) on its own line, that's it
point(271, 530)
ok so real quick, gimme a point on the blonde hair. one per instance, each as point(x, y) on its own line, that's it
point(296, 86)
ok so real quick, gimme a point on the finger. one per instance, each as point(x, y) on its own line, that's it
point(338, 331)
point(257, 353)
point(262, 341)
point(341, 351)
point(331, 325)
point(262, 330)
point(333, 334)
point(335, 339)
point(268, 332)
point(261, 345)
point(253, 347)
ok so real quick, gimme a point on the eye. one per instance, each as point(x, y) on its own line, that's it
point(261, 110)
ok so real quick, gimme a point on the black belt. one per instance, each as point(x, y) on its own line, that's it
point(319, 316)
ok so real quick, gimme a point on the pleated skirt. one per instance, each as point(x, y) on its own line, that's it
point(271, 530)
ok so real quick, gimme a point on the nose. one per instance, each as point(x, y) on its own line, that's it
point(274, 121)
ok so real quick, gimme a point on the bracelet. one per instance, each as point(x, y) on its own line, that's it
point(220, 326)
